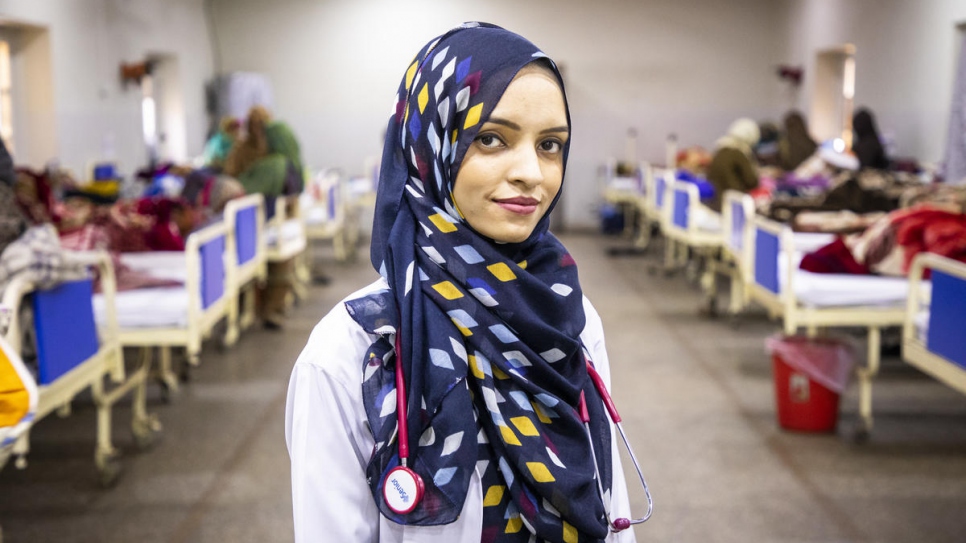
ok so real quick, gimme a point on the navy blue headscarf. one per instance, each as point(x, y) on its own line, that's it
point(489, 332)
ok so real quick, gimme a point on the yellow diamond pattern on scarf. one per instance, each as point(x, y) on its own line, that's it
point(523, 265)
point(475, 366)
point(14, 398)
point(502, 272)
point(513, 525)
point(498, 373)
point(540, 414)
point(569, 533)
point(423, 98)
point(540, 472)
point(525, 426)
point(410, 74)
point(508, 436)
point(463, 330)
point(448, 290)
point(473, 116)
point(494, 495)
point(442, 224)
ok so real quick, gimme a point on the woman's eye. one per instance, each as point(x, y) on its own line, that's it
point(488, 140)
point(550, 146)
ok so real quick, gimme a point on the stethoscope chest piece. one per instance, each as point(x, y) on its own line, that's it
point(402, 490)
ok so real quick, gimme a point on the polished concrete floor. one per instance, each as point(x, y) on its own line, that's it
point(696, 395)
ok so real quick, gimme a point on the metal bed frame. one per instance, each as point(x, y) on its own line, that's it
point(108, 361)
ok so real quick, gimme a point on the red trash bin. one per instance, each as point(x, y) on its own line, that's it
point(810, 374)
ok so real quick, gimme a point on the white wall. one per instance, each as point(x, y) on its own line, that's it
point(660, 66)
point(94, 115)
point(905, 61)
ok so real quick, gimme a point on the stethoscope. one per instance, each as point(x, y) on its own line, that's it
point(403, 488)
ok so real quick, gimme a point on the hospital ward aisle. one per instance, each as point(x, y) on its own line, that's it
point(696, 396)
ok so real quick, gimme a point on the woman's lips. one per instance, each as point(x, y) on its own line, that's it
point(520, 205)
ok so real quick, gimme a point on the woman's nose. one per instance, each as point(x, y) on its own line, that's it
point(525, 167)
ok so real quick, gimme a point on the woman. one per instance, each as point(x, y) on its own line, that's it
point(733, 164)
point(796, 145)
point(492, 327)
point(867, 146)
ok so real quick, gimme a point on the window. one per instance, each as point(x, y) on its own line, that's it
point(6, 98)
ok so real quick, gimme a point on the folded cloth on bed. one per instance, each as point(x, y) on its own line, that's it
point(38, 253)
point(889, 246)
point(165, 265)
point(93, 237)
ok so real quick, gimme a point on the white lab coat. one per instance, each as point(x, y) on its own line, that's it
point(330, 444)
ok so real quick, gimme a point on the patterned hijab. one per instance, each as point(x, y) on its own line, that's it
point(489, 332)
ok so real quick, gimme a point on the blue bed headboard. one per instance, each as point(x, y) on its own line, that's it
point(212, 271)
point(947, 318)
point(738, 219)
point(766, 259)
point(64, 323)
point(333, 194)
point(246, 234)
point(680, 216)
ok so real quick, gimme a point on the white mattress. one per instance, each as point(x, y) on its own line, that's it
point(162, 264)
point(707, 220)
point(841, 289)
point(289, 231)
point(162, 307)
point(317, 215)
point(808, 242)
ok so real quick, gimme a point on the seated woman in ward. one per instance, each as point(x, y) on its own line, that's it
point(465, 365)
point(733, 165)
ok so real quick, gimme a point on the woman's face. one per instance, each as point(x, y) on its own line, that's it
point(513, 169)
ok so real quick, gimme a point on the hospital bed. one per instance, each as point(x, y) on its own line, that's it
point(816, 301)
point(625, 194)
point(176, 316)
point(696, 230)
point(325, 211)
point(657, 209)
point(74, 354)
point(935, 319)
point(285, 238)
point(245, 245)
point(737, 210)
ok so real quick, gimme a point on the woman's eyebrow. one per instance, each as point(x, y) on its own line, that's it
point(514, 126)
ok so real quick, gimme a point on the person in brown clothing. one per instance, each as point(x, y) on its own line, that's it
point(733, 165)
point(796, 145)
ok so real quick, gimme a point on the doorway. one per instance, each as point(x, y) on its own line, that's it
point(27, 116)
point(163, 119)
point(832, 97)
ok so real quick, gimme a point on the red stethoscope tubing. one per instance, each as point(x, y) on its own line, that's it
point(401, 407)
point(402, 487)
point(618, 524)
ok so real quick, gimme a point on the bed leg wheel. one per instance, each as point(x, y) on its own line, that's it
point(166, 392)
point(734, 321)
point(109, 470)
point(146, 432)
point(861, 433)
